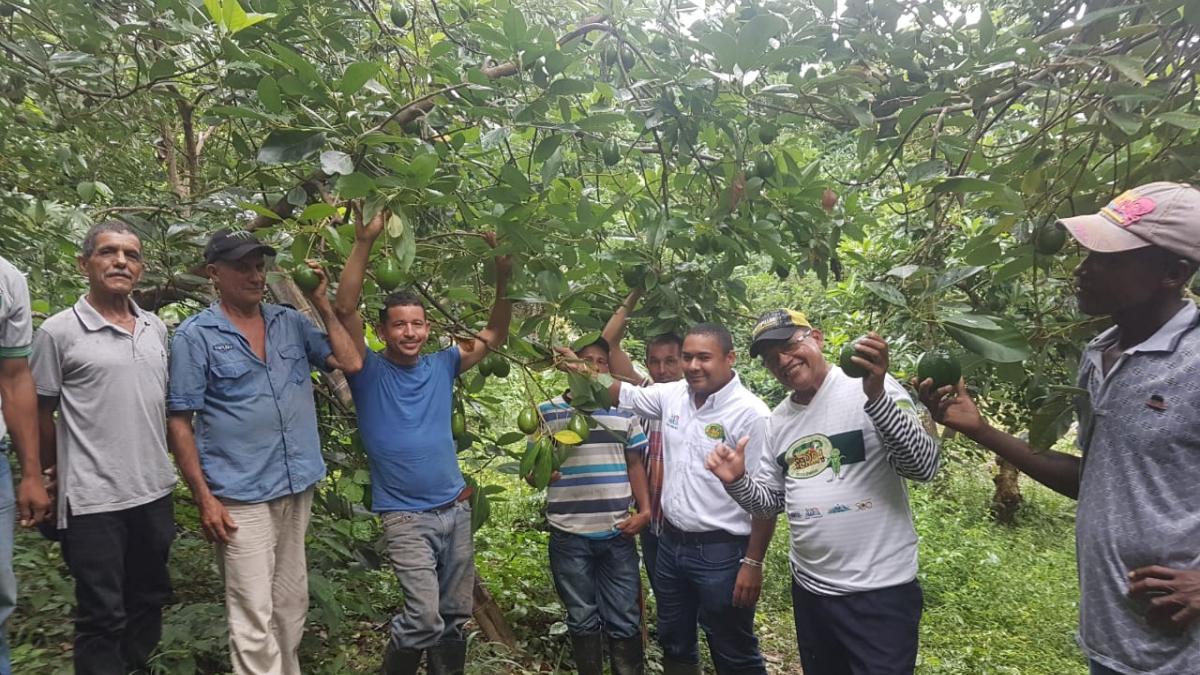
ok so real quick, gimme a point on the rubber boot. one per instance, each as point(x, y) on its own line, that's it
point(677, 668)
point(448, 657)
point(625, 656)
point(588, 649)
point(398, 661)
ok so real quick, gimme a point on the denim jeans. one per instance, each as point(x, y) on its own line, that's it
point(433, 555)
point(8, 581)
point(598, 581)
point(694, 583)
point(1097, 668)
point(119, 561)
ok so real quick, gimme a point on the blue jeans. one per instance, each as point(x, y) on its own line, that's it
point(598, 581)
point(1097, 668)
point(694, 583)
point(433, 556)
point(8, 581)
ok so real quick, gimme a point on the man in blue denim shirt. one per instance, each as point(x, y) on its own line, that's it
point(242, 368)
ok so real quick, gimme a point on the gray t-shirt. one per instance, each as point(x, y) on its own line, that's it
point(16, 326)
point(1139, 493)
point(112, 389)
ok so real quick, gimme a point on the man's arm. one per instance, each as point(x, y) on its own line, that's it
point(619, 363)
point(749, 577)
point(349, 292)
point(347, 353)
point(635, 469)
point(215, 520)
point(495, 333)
point(20, 410)
point(952, 406)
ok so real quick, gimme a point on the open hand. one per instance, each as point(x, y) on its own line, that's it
point(1174, 595)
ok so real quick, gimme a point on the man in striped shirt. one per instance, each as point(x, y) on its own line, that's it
point(593, 557)
point(664, 362)
point(835, 454)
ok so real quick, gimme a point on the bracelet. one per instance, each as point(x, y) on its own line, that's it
point(752, 562)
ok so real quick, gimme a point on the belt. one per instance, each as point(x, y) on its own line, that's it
point(669, 531)
point(462, 497)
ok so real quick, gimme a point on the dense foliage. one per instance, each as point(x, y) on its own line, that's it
point(891, 165)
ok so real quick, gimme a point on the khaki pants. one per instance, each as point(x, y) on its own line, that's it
point(266, 584)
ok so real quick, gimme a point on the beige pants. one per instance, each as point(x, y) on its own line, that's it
point(266, 584)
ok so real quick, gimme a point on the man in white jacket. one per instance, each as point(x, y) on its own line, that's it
point(835, 454)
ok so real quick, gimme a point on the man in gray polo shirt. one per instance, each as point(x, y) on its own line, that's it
point(102, 365)
point(1137, 525)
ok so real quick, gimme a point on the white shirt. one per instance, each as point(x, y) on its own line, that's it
point(693, 499)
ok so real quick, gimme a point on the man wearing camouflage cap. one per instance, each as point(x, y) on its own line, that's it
point(835, 454)
point(1138, 520)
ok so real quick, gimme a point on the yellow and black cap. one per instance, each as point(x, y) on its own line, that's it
point(775, 325)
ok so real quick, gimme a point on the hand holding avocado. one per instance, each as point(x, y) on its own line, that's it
point(869, 361)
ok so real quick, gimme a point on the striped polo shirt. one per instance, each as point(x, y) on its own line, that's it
point(593, 494)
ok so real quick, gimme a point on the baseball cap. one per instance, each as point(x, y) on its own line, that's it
point(1160, 214)
point(231, 245)
point(777, 324)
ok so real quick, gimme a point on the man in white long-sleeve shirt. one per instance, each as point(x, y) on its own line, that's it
point(835, 454)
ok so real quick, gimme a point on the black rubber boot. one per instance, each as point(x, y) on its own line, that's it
point(398, 661)
point(588, 649)
point(676, 668)
point(448, 657)
point(625, 656)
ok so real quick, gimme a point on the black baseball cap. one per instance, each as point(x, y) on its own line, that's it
point(229, 245)
point(778, 324)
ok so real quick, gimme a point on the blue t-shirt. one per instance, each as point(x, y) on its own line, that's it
point(404, 422)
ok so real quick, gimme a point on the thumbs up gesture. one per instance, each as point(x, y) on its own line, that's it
point(726, 463)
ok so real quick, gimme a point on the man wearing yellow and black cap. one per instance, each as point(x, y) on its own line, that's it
point(835, 454)
point(1137, 526)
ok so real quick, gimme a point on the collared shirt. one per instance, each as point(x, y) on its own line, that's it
point(256, 422)
point(16, 324)
point(693, 499)
point(1139, 492)
point(111, 385)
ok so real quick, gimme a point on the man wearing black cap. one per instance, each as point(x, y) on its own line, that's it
point(1137, 526)
point(242, 369)
point(835, 454)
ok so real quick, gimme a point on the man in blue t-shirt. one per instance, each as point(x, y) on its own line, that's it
point(404, 402)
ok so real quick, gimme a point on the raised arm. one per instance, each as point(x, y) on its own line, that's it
point(347, 352)
point(619, 363)
point(952, 406)
point(350, 285)
point(495, 333)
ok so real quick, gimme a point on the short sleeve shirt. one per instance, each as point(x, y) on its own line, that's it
point(404, 421)
point(16, 325)
point(693, 499)
point(1139, 492)
point(112, 386)
point(256, 421)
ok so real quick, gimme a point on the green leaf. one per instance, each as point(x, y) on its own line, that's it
point(285, 146)
point(514, 27)
point(1053, 417)
point(600, 121)
point(269, 96)
point(565, 86)
point(86, 191)
point(753, 36)
point(826, 7)
point(887, 292)
point(953, 276)
point(968, 320)
point(229, 15)
point(1005, 345)
point(987, 29)
point(315, 212)
point(912, 114)
point(356, 76)
point(300, 65)
point(967, 184)
point(1181, 119)
point(546, 147)
point(1129, 66)
point(1126, 122)
point(354, 186)
point(336, 162)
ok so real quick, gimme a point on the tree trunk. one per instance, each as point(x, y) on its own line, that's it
point(1006, 500)
point(489, 617)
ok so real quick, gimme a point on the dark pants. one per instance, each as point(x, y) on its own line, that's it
point(650, 555)
point(119, 561)
point(694, 583)
point(597, 580)
point(867, 633)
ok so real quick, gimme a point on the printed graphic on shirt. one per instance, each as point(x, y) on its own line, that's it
point(715, 432)
point(811, 455)
point(673, 421)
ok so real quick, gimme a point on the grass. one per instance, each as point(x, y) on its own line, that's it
point(997, 599)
